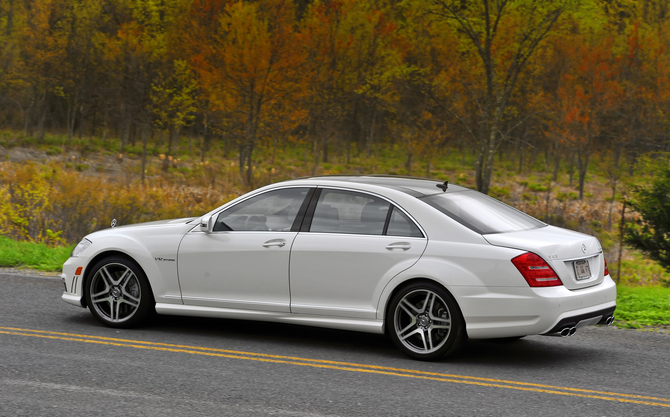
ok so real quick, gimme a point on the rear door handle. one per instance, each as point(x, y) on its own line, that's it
point(399, 245)
point(275, 242)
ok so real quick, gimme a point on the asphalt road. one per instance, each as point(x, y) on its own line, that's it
point(56, 360)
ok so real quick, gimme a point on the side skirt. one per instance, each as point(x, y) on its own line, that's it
point(365, 326)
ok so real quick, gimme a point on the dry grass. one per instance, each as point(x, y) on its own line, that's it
point(56, 194)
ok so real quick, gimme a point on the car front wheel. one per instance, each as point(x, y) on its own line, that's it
point(425, 322)
point(118, 293)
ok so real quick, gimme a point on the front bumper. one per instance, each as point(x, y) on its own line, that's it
point(73, 280)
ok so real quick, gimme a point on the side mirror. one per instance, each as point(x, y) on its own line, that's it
point(207, 224)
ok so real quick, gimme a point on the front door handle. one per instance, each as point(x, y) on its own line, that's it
point(399, 245)
point(275, 242)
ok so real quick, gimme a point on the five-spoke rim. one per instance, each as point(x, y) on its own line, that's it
point(115, 292)
point(422, 321)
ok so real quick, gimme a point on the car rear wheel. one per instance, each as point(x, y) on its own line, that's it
point(425, 322)
point(118, 293)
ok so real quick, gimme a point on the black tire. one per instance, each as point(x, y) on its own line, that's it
point(118, 293)
point(424, 321)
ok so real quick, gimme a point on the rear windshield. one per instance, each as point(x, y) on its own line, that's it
point(481, 213)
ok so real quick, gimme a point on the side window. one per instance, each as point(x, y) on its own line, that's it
point(401, 225)
point(349, 212)
point(275, 210)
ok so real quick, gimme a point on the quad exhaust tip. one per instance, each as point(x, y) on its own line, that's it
point(568, 331)
point(564, 332)
point(571, 330)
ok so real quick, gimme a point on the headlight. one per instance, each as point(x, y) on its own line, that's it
point(81, 246)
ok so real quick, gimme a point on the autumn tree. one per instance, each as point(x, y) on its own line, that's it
point(250, 64)
point(352, 48)
point(82, 25)
point(173, 99)
point(503, 36)
point(42, 53)
point(584, 100)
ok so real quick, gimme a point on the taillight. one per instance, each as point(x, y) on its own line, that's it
point(607, 271)
point(536, 271)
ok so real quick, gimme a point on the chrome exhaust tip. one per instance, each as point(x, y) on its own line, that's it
point(564, 332)
point(609, 320)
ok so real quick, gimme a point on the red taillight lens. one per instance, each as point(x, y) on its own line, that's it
point(536, 271)
point(607, 271)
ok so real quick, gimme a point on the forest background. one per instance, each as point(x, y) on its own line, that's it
point(137, 110)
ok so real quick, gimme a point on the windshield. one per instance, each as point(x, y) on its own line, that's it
point(481, 213)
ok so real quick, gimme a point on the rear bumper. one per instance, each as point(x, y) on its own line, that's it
point(518, 311)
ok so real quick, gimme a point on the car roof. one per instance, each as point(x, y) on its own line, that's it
point(417, 187)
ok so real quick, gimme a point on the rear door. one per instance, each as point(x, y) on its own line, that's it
point(350, 245)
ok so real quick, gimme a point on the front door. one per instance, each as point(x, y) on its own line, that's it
point(244, 262)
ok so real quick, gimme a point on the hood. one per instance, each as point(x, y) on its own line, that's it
point(560, 248)
point(157, 223)
point(143, 227)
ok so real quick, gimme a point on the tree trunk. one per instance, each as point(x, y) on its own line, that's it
point(371, 135)
point(582, 166)
point(94, 123)
point(126, 134)
point(71, 117)
point(557, 165)
point(250, 166)
point(81, 121)
point(190, 139)
point(40, 126)
point(26, 121)
point(105, 127)
point(10, 19)
point(205, 143)
point(242, 158)
point(145, 135)
point(326, 136)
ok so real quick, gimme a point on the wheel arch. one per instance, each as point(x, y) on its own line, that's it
point(100, 256)
point(417, 280)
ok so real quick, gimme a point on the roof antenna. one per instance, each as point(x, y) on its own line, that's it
point(444, 186)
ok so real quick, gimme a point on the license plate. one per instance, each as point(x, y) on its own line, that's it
point(582, 270)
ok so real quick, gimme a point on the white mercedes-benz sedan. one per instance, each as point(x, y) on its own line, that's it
point(428, 263)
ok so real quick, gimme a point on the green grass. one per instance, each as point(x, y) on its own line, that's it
point(639, 307)
point(38, 256)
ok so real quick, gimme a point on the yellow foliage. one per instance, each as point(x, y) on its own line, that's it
point(50, 205)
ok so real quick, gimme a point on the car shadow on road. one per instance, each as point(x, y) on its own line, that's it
point(252, 333)
point(531, 352)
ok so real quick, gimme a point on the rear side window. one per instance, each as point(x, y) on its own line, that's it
point(348, 212)
point(401, 225)
point(481, 213)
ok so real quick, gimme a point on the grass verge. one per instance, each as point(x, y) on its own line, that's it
point(14, 254)
point(639, 307)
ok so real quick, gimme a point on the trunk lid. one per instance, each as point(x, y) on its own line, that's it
point(577, 258)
